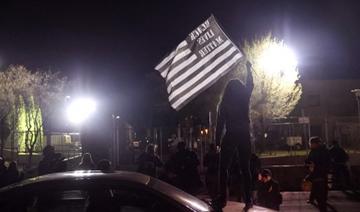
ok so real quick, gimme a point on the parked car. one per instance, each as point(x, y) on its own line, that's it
point(97, 191)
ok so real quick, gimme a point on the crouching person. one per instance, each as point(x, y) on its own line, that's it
point(268, 194)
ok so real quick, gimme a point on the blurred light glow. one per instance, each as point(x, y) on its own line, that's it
point(82, 173)
point(356, 92)
point(277, 58)
point(80, 110)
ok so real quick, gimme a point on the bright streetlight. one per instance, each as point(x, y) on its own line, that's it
point(277, 58)
point(80, 110)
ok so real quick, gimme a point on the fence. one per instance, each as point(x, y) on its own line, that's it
point(68, 144)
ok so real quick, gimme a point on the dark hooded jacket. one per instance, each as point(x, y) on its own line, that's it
point(321, 160)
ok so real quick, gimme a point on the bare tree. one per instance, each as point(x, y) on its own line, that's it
point(12, 84)
point(276, 91)
point(32, 99)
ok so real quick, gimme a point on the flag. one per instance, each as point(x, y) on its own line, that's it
point(198, 62)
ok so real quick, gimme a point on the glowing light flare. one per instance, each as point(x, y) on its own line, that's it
point(80, 110)
point(277, 58)
point(82, 173)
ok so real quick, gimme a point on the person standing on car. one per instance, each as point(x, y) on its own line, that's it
point(211, 162)
point(233, 116)
point(255, 168)
point(318, 161)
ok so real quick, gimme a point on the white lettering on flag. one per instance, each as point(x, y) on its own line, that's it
point(198, 62)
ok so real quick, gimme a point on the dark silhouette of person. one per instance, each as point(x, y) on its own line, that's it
point(148, 162)
point(339, 158)
point(51, 162)
point(87, 162)
point(104, 165)
point(3, 170)
point(211, 162)
point(255, 168)
point(184, 164)
point(318, 161)
point(268, 191)
point(12, 174)
point(233, 116)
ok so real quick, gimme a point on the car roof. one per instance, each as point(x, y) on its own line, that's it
point(124, 176)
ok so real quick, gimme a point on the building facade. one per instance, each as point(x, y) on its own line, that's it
point(332, 109)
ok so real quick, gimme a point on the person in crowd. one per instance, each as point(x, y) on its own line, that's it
point(13, 175)
point(104, 165)
point(233, 116)
point(3, 170)
point(339, 158)
point(51, 162)
point(87, 162)
point(149, 161)
point(184, 165)
point(167, 176)
point(268, 191)
point(318, 162)
point(211, 163)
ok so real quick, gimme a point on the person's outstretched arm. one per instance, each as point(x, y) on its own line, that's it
point(249, 78)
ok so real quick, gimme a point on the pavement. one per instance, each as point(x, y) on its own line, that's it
point(296, 201)
point(337, 201)
point(232, 206)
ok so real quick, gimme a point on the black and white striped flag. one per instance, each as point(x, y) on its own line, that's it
point(197, 63)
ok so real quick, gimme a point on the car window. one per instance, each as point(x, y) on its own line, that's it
point(104, 200)
point(54, 201)
point(126, 200)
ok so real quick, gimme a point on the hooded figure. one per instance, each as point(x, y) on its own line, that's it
point(13, 175)
point(318, 161)
point(233, 116)
point(52, 162)
point(87, 162)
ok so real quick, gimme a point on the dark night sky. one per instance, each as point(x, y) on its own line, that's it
point(111, 47)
